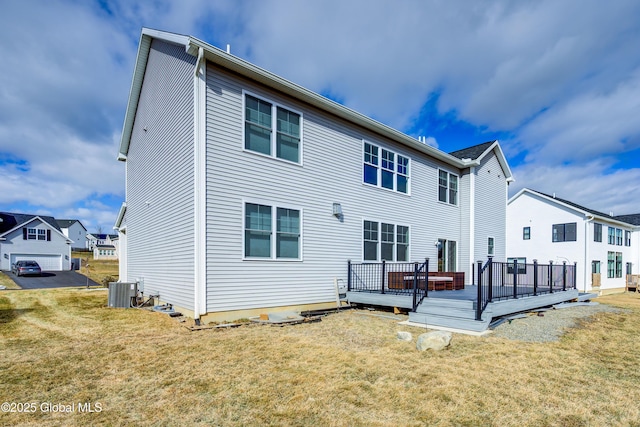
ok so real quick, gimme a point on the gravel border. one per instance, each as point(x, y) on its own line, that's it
point(548, 325)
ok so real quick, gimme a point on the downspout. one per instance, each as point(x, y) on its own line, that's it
point(586, 251)
point(472, 218)
point(200, 228)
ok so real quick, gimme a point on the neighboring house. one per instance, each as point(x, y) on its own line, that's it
point(547, 228)
point(105, 252)
point(74, 230)
point(33, 237)
point(100, 239)
point(262, 190)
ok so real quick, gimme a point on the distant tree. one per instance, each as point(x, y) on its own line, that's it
point(99, 230)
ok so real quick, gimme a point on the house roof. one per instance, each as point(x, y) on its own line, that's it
point(105, 247)
point(629, 219)
point(472, 152)
point(66, 223)
point(248, 70)
point(9, 221)
point(478, 152)
point(577, 207)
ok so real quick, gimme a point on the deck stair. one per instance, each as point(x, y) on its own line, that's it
point(450, 313)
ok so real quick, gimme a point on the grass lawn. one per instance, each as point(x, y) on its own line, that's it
point(7, 281)
point(65, 347)
point(98, 269)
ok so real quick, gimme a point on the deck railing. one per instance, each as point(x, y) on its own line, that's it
point(396, 278)
point(502, 280)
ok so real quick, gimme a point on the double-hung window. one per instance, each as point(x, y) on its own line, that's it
point(618, 237)
point(32, 233)
point(597, 232)
point(385, 241)
point(627, 238)
point(447, 187)
point(611, 264)
point(385, 169)
point(490, 245)
point(272, 130)
point(618, 264)
point(611, 236)
point(526, 233)
point(271, 232)
point(564, 232)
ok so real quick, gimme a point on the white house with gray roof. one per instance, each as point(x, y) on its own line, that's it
point(548, 228)
point(262, 190)
point(33, 237)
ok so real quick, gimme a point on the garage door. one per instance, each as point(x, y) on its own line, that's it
point(46, 262)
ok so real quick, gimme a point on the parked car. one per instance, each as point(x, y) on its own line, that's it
point(23, 268)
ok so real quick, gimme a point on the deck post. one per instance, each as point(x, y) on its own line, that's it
point(415, 286)
point(490, 288)
point(384, 270)
point(575, 273)
point(515, 278)
point(479, 301)
point(349, 275)
point(564, 275)
point(535, 277)
point(426, 277)
point(550, 276)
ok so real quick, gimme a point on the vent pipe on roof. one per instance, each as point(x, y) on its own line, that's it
point(228, 48)
point(554, 195)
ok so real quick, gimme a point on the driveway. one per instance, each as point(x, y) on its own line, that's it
point(51, 279)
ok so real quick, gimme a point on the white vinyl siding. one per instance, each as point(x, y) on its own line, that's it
point(490, 213)
point(160, 179)
point(233, 177)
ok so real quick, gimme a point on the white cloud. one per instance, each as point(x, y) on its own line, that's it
point(592, 185)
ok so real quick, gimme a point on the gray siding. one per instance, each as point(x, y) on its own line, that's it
point(491, 208)
point(160, 179)
point(331, 172)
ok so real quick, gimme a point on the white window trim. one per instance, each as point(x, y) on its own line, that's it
point(274, 206)
point(395, 241)
point(274, 127)
point(379, 169)
point(494, 246)
point(448, 203)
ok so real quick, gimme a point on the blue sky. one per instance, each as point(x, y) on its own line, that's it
point(557, 82)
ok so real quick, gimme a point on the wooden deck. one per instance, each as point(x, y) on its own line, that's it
point(456, 309)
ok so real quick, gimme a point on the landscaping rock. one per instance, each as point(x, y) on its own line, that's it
point(405, 336)
point(436, 340)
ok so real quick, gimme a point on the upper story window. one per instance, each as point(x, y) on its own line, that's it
point(597, 232)
point(386, 169)
point(490, 245)
point(627, 238)
point(35, 234)
point(272, 130)
point(447, 187)
point(526, 233)
point(618, 237)
point(611, 235)
point(564, 232)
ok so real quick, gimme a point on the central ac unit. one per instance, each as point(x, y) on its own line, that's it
point(122, 293)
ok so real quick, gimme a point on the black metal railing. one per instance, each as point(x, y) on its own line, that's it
point(395, 278)
point(501, 280)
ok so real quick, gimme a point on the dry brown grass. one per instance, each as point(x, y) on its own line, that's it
point(98, 269)
point(7, 281)
point(145, 368)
